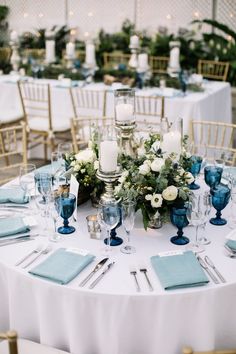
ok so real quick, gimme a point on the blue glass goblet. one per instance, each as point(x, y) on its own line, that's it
point(220, 198)
point(213, 175)
point(178, 217)
point(65, 204)
point(195, 170)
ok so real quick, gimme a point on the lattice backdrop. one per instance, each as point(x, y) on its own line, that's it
point(91, 15)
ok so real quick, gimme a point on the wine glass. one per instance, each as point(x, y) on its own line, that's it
point(57, 165)
point(65, 205)
point(206, 207)
point(179, 219)
point(195, 170)
point(27, 179)
point(219, 158)
point(64, 149)
point(128, 216)
point(54, 211)
point(108, 216)
point(220, 198)
point(197, 214)
point(212, 175)
point(43, 183)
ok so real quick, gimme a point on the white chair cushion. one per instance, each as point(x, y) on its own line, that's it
point(29, 347)
point(59, 124)
point(10, 115)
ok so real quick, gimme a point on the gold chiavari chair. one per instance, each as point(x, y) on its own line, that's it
point(88, 102)
point(159, 65)
point(34, 53)
point(189, 350)
point(13, 151)
point(11, 344)
point(216, 70)
point(150, 106)
point(41, 128)
point(83, 128)
point(214, 136)
point(5, 54)
point(113, 59)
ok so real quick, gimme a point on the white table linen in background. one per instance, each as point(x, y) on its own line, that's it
point(113, 317)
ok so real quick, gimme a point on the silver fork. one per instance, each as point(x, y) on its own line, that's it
point(36, 250)
point(134, 273)
point(144, 271)
point(45, 250)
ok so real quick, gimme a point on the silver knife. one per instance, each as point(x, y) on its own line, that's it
point(211, 264)
point(16, 237)
point(207, 269)
point(9, 205)
point(92, 285)
point(97, 267)
point(23, 239)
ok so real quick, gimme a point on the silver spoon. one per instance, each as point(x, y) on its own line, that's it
point(45, 250)
point(36, 250)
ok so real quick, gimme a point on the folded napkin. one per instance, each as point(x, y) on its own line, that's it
point(63, 265)
point(11, 226)
point(179, 271)
point(14, 195)
point(231, 244)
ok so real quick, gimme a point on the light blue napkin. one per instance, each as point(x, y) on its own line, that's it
point(11, 226)
point(14, 195)
point(231, 244)
point(62, 266)
point(179, 271)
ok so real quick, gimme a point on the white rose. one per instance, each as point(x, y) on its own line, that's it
point(156, 201)
point(181, 171)
point(144, 169)
point(141, 151)
point(86, 155)
point(96, 165)
point(189, 177)
point(156, 146)
point(157, 164)
point(170, 193)
point(123, 177)
point(148, 197)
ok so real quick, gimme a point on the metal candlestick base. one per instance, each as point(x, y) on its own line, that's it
point(125, 137)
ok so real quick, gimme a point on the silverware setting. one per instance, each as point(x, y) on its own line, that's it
point(43, 251)
point(35, 250)
point(14, 241)
point(92, 285)
point(133, 272)
point(143, 270)
point(231, 252)
point(211, 264)
point(204, 265)
point(16, 236)
point(97, 267)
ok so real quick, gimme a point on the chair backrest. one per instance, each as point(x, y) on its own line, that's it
point(150, 106)
point(13, 151)
point(189, 350)
point(214, 135)
point(5, 54)
point(216, 70)
point(83, 128)
point(112, 59)
point(11, 337)
point(88, 102)
point(34, 53)
point(36, 101)
point(159, 65)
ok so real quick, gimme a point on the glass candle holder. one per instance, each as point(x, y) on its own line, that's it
point(124, 107)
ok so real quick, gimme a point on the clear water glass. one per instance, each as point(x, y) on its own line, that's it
point(26, 178)
point(128, 217)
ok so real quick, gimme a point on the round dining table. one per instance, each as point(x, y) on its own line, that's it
point(113, 318)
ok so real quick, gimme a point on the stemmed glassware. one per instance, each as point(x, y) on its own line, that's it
point(213, 175)
point(108, 216)
point(27, 179)
point(65, 206)
point(179, 219)
point(54, 211)
point(43, 183)
point(128, 216)
point(220, 198)
point(195, 170)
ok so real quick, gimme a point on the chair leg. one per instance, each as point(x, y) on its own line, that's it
point(45, 143)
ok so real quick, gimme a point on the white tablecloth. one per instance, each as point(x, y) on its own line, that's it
point(113, 317)
point(213, 104)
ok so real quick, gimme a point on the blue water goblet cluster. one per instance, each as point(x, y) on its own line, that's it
point(195, 170)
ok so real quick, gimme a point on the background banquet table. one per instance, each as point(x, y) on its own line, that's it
point(113, 317)
point(213, 104)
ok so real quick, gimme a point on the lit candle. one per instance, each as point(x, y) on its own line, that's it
point(124, 112)
point(171, 143)
point(134, 41)
point(90, 54)
point(143, 61)
point(50, 51)
point(70, 50)
point(108, 156)
point(14, 36)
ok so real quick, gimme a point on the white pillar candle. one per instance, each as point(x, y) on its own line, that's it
point(171, 143)
point(14, 36)
point(90, 54)
point(50, 51)
point(134, 41)
point(174, 58)
point(70, 50)
point(108, 156)
point(124, 112)
point(143, 61)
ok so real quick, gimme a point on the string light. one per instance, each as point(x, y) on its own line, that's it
point(86, 34)
point(40, 15)
point(71, 13)
point(90, 14)
point(72, 32)
point(231, 15)
point(229, 38)
point(196, 14)
point(25, 15)
point(168, 17)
